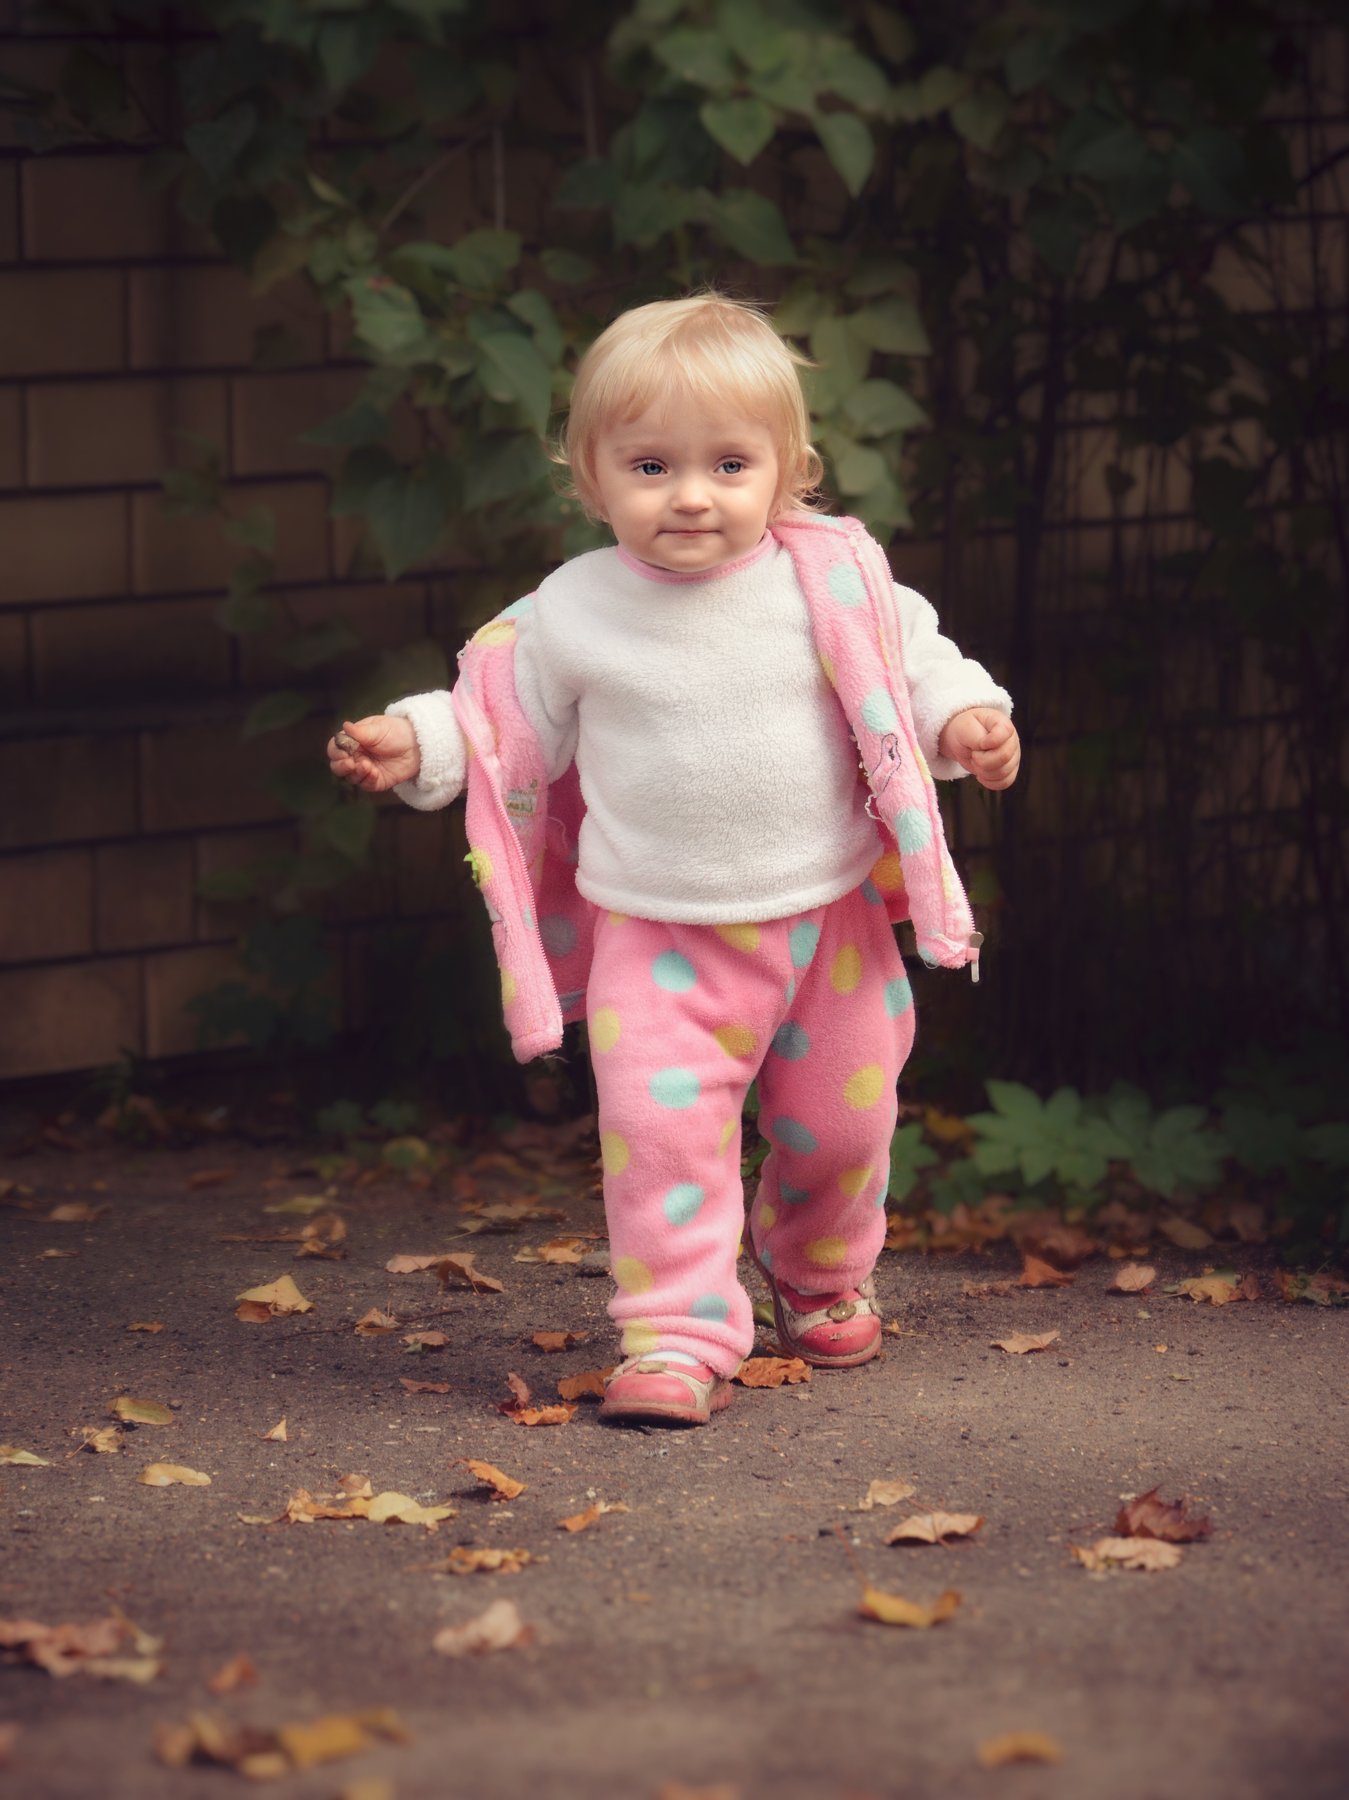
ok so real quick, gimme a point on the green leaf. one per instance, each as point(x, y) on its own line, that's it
point(843, 360)
point(909, 1156)
point(483, 259)
point(566, 268)
point(754, 226)
point(511, 368)
point(536, 311)
point(587, 185)
point(246, 614)
point(848, 145)
point(893, 325)
point(1059, 228)
point(937, 90)
point(363, 470)
point(877, 408)
point(646, 211)
point(980, 118)
point(361, 423)
point(320, 644)
point(256, 528)
point(757, 39)
point(407, 513)
point(702, 58)
point(226, 885)
point(274, 712)
point(502, 468)
point(858, 469)
point(1211, 167)
point(844, 71)
point(893, 33)
point(387, 317)
point(742, 127)
point(304, 788)
point(216, 144)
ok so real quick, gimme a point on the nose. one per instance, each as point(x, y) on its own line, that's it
point(690, 496)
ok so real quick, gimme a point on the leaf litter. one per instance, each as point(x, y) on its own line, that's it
point(1022, 1343)
point(499, 1628)
point(582, 1521)
point(934, 1528)
point(519, 1409)
point(263, 1754)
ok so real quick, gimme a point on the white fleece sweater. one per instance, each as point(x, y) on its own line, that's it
point(719, 778)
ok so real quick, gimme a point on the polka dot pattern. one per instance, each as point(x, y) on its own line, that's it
point(888, 873)
point(913, 830)
point(673, 972)
point(853, 1182)
point(846, 584)
point(792, 1196)
point(605, 1030)
point(711, 1307)
point(615, 1154)
point(640, 1337)
point(633, 1275)
point(802, 942)
point(736, 1040)
point(846, 969)
point(739, 937)
point(558, 934)
point(683, 1202)
point(791, 1041)
point(793, 1135)
point(675, 1088)
point(863, 1089)
point(827, 1252)
point(728, 1131)
point(878, 711)
point(898, 996)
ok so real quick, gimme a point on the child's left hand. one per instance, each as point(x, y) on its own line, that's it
point(985, 742)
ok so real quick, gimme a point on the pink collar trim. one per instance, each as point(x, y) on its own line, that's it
point(679, 576)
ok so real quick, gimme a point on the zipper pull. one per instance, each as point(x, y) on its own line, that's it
point(974, 941)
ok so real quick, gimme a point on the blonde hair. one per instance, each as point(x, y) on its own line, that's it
point(704, 347)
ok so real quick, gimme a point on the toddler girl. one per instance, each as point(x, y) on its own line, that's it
point(675, 840)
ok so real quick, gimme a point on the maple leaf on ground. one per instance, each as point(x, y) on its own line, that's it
point(934, 1528)
point(375, 1323)
point(273, 1301)
point(261, 1754)
point(277, 1435)
point(151, 1325)
point(418, 1341)
point(519, 1409)
point(10, 1453)
point(588, 1385)
point(988, 1290)
point(1145, 1554)
point(71, 1649)
point(1022, 1343)
point(464, 1561)
point(236, 1673)
point(891, 1609)
point(1184, 1233)
point(559, 1340)
point(1038, 1274)
point(557, 1250)
point(140, 1412)
point(172, 1475)
point(1148, 1517)
point(582, 1521)
point(1046, 1235)
point(886, 1493)
point(104, 1440)
point(1320, 1290)
point(1133, 1278)
point(505, 1487)
point(499, 1628)
point(423, 1387)
point(773, 1371)
point(1019, 1746)
point(464, 1268)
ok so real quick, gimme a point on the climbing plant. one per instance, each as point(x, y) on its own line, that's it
point(970, 216)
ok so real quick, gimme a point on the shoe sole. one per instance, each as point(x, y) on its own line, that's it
point(634, 1412)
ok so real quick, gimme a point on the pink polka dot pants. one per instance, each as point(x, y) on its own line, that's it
point(682, 1018)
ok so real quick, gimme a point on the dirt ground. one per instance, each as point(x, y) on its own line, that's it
point(706, 1641)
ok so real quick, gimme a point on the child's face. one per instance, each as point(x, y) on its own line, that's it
point(686, 488)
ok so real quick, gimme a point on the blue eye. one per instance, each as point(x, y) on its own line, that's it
point(650, 467)
point(733, 465)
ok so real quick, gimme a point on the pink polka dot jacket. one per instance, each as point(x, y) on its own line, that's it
point(523, 830)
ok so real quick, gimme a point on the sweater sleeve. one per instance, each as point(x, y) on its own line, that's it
point(547, 697)
point(444, 751)
point(942, 681)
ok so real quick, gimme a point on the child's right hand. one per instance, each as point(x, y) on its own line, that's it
point(385, 752)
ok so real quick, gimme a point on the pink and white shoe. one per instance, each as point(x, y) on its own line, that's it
point(828, 1331)
point(656, 1390)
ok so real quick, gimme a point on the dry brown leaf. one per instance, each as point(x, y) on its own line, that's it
point(263, 1755)
point(1217, 1290)
point(55, 1255)
point(890, 1609)
point(1184, 1233)
point(426, 1340)
point(423, 1387)
point(505, 1487)
point(1133, 1278)
point(499, 1628)
point(104, 1440)
point(1036, 1273)
point(463, 1266)
point(886, 1493)
point(301, 1203)
point(375, 1323)
point(1021, 1343)
point(140, 1412)
point(582, 1521)
point(10, 1453)
point(1019, 1746)
point(987, 1290)
point(1046, 1235)
point(1146, 1554)
point(209, 1178)
point(277, 1435)
point(64, 1649)
point(773, 1371)
point(1148, 1517)
point(556, 1250)
point(253, 1312)
point(413, 1265)
point(934, 1528)
point(519, 1409)
point(588, 1385)
point(559, 1340)
point(76, 1212)
point(463, 1561)
point(402, 1509)
point(151, 1325)
point(172, 1475)
point(236, 1673)
point(278, 1298)
point(1320, 1290)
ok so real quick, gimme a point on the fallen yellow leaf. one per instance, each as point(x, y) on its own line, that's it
point(559, 1340)
point(76, 1212)
point(463, 1561)
point(422, 1387)
point(773, 1371)
point(1216, 1289)
point(301, 1203)
point(499, 1628)
point(147, 1325)
point(1184, 1233)
point(1019, 1746)
point(934, 1528)
point(140, 1412)
point(589, 1384)
point(172, 1475)
point(277, 1435)
point(1133, 1278)
point(9, 1453)
point(890, 1609)
point(236, 1673)
point(375, 1323)
point(1147, 1554)
point(1036, 1273)
point(582, 1521)
point(104, 1440)
point(278, 1297)
point(505, 1486)
point(885, 1493)
point(402, 1509)
point(1021, 1343)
